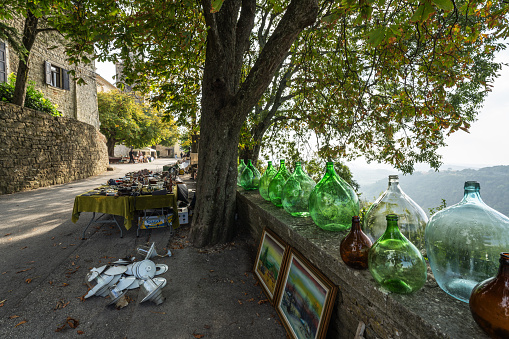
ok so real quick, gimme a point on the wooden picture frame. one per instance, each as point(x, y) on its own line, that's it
point(306, 299)
point(270, 262)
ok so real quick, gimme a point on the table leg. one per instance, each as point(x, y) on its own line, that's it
point(92, 221)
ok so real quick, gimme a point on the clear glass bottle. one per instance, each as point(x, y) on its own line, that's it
point(412, 219)
point(463, 243)
point(333, 202)
point(354, 248)
point(250, 178)
point(395, 262)
point(489, 302)
point(265, 180)
point(240, 169)
point(296, 192)
point(277, 183)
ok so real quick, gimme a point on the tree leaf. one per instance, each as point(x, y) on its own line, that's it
point(215, 5)
point(446, 5)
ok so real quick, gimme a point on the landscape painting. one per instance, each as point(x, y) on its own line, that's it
point(270, 259)
point(306, 300)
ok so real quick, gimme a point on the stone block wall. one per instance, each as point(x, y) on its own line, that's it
point(428, 313)
point(39, 150)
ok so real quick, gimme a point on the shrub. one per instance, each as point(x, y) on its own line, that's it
point(34, 98)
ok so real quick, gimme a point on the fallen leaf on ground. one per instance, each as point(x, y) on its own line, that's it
point(240, 302)
point(80, 332)
point(4, 272)
point(206, 326)
point(64, 284)
point(7, 234)
point(252, 299)
point(21, 323)
point(196, 335)
point(52, 238)
point(22, 248)
point(26, 269)
point(262, 301)
point(14, 316)
point(73, 323)
point(211, 270)
point(60, 328)
point(50, 282)
point(28, 281)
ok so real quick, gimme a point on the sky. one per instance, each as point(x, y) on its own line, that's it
point(487, 144)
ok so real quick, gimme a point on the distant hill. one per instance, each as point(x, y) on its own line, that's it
point(429, 188)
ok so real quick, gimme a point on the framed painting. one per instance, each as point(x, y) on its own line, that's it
point(270, 260)
point(306, 299)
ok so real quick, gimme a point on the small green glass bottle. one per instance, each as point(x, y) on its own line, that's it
point(333, 202)
point(277, 183)
point(395, 262)
point(240, 169)
point(265, 180)
point(296, 192)
point(250, 178)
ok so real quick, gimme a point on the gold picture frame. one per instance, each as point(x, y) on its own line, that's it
point(306, 298)
point(270, 262)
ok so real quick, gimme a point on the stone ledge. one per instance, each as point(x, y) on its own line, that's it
point(428, 313)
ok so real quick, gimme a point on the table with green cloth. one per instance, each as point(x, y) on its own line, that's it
point(124, 206)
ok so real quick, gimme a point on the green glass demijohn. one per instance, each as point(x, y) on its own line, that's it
point(395, 262)
point(411, 218)
point(333, 202)
point(296, 192)
point(277, 183)
point(240, 169)
point(250, 177)
point(265, 180)
point(464, 242)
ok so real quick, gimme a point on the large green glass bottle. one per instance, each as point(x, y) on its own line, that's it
point(296, 192)
point(250, 178)
point(464, 241)
point(277, 183)
point(240, 169)
point(265, 180)
point(395, 262)
point(333, 202)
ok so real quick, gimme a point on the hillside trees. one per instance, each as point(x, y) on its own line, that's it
point(125, 120)
point(367, 74)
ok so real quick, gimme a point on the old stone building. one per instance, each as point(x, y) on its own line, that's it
point(49, 72)
point(104, 85)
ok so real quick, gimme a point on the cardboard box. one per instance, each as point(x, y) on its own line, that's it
point(155, 221)
point(183, 216)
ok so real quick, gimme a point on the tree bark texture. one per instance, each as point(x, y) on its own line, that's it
point(110, 144)
point(226, 102)
point(29, 35)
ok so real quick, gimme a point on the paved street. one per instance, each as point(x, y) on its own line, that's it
point(210, 293)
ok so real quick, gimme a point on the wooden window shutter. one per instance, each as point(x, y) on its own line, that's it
point(3, 70)
point(65, 79)
point(47, 66)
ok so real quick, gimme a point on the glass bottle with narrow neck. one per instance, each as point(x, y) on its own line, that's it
point(463, 243)
point(277, 183)
point(296, 192)
point(412, 219)
point(354, 248)
point(265, 180)
point(395, 262)
point(489, 302)
point(240, 169)
point(333, 202)
point(250, 178)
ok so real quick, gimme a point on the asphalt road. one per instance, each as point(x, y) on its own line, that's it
point(211, 293)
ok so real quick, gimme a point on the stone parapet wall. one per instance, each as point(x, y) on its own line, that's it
point(39, 150)
point(428, 313)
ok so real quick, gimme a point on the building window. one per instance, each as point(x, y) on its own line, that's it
point(56, 76)
point(3, 63)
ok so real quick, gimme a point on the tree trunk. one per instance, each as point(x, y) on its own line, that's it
point(29, 35)
point(110, 144)
point(226, 103)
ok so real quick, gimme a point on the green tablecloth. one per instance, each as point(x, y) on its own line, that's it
point(123, 206)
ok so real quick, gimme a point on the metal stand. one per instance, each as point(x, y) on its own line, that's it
point(155, 212)
point(97, 221)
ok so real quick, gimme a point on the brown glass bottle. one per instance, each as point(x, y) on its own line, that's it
point(355, 247)
point(489, 302)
